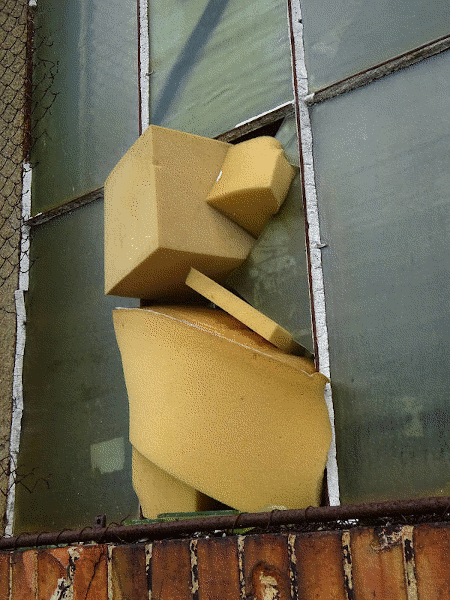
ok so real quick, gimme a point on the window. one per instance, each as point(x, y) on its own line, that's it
point(374, 180)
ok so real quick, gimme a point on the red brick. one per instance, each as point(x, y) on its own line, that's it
point(432, 556)
point(266, 567)
point(171, 570)
point(320, 571)
point(52, 572)
point(128, 572)
point(218, 569)
point(377, 566)
point(90, 580)
point(24, 571)
point(4, 576)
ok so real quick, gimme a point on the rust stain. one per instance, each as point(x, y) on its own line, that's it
point(266, 567)
point(320, 569)
point(268, 583)
point(378, 568)
point(90, 580)
point(127, 572)
point(171, 571)
point(24, 575)
point(387, 537)
point(4, 576)
point(432, 560)
point(55, 569)
point(218, 568)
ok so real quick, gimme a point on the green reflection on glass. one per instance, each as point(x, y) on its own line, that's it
point(85, 99)
point(347, 36)
point(383, 181)
point(215, 63)
point(274, 278)
point(75, 423)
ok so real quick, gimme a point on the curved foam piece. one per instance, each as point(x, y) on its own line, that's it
point(157, 221)
point(242, 423)
point(253, 183)
point(159, 492)
point(255, 320)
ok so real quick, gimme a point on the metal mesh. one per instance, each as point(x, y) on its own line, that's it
point(23, 103)
point(13, 72)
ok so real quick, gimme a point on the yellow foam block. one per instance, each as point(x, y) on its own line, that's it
point(253, 183)
point(242, 423)
point(265, 327)
point(159, 492)
point(157, 221)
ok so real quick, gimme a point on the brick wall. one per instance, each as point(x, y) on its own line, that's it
point(360, 564)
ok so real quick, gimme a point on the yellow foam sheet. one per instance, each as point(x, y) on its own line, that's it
point(157, 221)
point(255, 320)
point(159, 492)
point(232, 420)
point(253, 183)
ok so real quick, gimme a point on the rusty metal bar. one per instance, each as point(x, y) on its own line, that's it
point(157, 531)
point(65, 208)
point(256, 123)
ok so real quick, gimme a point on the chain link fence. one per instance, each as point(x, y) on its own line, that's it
point(13, 101)
point(24, 100)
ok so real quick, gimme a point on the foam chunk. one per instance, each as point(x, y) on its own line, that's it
point(255, 320)
point(159, 492)
point(157, 221)
point(240, 422)
point(253, 183)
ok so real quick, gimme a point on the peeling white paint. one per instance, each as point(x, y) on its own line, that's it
point(347, 564)
point(144, 66)
point(24, 265)
point(17, 391)
point(109, 572)
point(64, 588)
point(292, 565)
point(148, 566)
point(315, 242)
point(270, 587)
point(409, 563)
point(240, 545)
point(194, 566)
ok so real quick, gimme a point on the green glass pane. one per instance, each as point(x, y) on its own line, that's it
point(86, 54)
point(216, 63)
point(274, 278)
point(383, 184)
point(346, 36)
point(75, 422)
